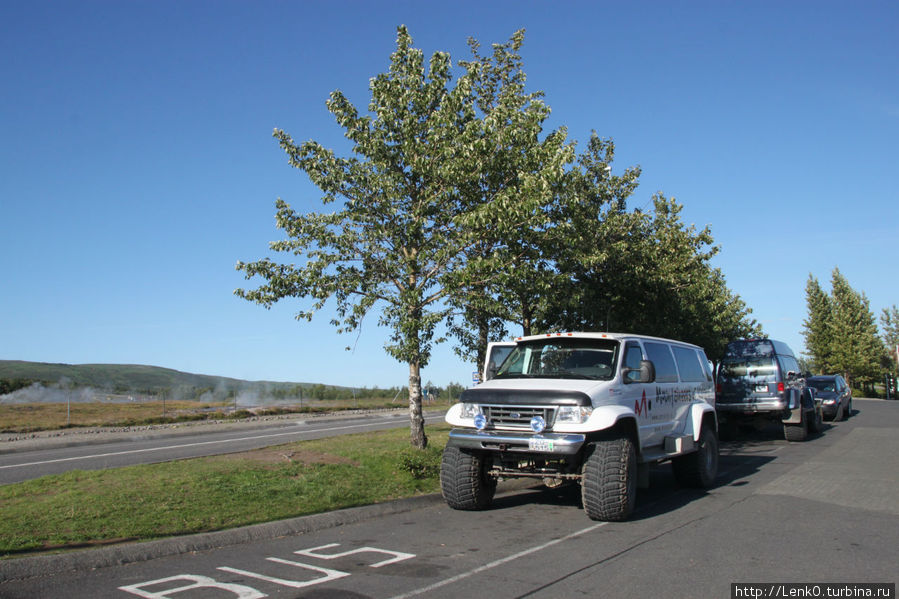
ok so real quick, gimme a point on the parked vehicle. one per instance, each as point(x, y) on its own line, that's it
point(591, 408)
point(759, 379)
point(835, 395)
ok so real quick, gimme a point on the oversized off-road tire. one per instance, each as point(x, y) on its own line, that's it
point(464, 481)
point(797, 432)
point(609, 479)
point(699, 469)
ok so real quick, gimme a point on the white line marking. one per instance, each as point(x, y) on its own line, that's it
point(496, 563)
point(398, 556)
point(197, 444)
point(329, 575)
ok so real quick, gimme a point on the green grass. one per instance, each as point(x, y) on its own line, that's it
point(82, 508)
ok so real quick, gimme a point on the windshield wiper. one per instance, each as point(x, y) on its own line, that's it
point(573, 375)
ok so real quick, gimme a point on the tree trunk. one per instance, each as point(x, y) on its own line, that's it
point(483, 339)
point(526, 316)
point(416, 418)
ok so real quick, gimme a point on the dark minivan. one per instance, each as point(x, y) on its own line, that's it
point(760, 379)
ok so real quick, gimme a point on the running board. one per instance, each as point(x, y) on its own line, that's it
point(673, 447)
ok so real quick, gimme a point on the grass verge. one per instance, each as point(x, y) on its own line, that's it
point(83, 508)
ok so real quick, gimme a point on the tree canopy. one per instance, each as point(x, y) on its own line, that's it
point(841, 332)
point(889, 324)
point(456, 207)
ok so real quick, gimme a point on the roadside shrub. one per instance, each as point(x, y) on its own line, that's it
point(420, 463)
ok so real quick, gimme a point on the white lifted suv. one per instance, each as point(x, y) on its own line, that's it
point(596, 408)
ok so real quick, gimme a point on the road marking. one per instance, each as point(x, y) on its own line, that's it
point(398, 556)
point(247, 592)
point(498, 562)
point(197, 444)
point(329, 574)
point(197, 582)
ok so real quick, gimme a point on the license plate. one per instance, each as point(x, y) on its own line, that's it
point(761, 388)
point(540, 444)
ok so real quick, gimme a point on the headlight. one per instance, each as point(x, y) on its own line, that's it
point(470, 410)
point(573, 414)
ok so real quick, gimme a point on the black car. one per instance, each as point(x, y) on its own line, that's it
point(835, 394)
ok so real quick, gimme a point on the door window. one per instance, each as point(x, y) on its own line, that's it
point(664, 363)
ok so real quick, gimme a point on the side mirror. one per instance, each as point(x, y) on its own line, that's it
point(491, 370)
point(647, 372)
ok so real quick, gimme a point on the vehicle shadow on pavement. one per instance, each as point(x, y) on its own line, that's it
point(759, 433)
point(666, 495)
point(663, 495)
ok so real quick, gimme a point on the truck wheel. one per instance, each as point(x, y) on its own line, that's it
point(699, 469)
point(464, 481)
point(797, 432)
point(609, 479)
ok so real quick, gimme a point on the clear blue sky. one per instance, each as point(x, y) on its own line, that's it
point(137, 164)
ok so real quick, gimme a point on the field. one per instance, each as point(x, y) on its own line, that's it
point(24, 418)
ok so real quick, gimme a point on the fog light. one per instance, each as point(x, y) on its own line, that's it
point(538, 424)
point(480, 422)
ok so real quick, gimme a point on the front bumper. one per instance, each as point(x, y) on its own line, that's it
point(830, 409)
point(522, 442)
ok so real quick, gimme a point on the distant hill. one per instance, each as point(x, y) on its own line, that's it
point(129, 378)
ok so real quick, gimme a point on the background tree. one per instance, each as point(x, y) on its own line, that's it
point(399, 225)
point(816, 328)
point(889, 324)
point(650, 273)
point(592, 227)
point(516, 174)
point(841, 333)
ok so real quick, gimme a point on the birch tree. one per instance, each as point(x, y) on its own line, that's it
point(396, 223)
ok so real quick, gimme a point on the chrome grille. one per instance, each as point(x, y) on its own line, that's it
point(517, 416)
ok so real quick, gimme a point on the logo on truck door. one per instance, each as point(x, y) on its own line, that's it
point(642, 407)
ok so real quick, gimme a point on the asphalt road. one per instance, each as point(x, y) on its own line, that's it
point(29, 459)
point(822, 511)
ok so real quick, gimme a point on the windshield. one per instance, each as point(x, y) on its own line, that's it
point(561, 358)
point(760, 370)
point(822, 385)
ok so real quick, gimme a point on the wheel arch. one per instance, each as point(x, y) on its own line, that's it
point(701, 414)
point(624, 426)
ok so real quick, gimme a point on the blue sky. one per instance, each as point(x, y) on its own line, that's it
point(137, 164)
